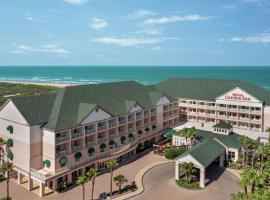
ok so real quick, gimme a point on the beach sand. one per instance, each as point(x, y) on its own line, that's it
point(38, 83)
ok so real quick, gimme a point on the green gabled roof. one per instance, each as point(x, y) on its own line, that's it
point(35, 109)
point(73, 103)
point(223, 125)
point(232, 140)
point(209, 89)
point(205, 152)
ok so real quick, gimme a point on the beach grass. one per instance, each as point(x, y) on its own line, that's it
point(8, 90)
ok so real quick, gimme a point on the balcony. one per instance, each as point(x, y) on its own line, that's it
point(131, 129)
point(89, 144)
point(90, 131)
point(101, 140)
point(76, 135)
point(122, 132)
point(61, 153)
point(146, 115)
point(102, 128)
point(111, 137)
point(75, 149)
point(123, 121)
point(62, 139)
point(112, 124)
point(131, 118)
point(138, 117)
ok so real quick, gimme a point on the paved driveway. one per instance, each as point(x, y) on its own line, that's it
point(102, 182)
point(160, 185)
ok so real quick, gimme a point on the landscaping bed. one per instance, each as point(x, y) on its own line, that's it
point(183, 183)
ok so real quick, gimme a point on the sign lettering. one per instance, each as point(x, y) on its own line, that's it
point(237, 97)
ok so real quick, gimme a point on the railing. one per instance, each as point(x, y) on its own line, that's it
point(131, 129)
point(90, 131)
point(60, 154)
point(62, 139)
point(35, 173)
point(106, 153)
point(113, 124)
point(131, 119)
point(90, 144)
point(138, 117)
point(101, 128)
point(75, 149)
point(76, 135)
point(121, 122)
point(101, 140)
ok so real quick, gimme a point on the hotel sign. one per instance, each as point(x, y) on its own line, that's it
point(238, 97)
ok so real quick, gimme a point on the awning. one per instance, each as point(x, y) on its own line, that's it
point(169, 133)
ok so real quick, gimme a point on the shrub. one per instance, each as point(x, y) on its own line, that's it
point(185, 184)
point(2, 178)
point(147, 129)
point(111, 142)
point(139, 132)
point(63, 161)
point(130, 136)
point(173, 153)
point(77, 155)
point(154, 127)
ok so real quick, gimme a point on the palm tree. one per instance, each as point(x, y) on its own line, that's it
point(246, 144)
point(119, 180)
point(6, 168)
point(82, 180)
point(192, 134)
point(111, 164)
point(189, 169)
point(184, 133)
point(2, 143)
point(238, 196)
point(268, 130)
point(262, 151)
point(92, 174)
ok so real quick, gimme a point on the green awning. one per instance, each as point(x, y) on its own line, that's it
point(63, 161)
point(169, 134)
point(10, 155)
point(47, 163)
point(10, 129)
point(10, 142)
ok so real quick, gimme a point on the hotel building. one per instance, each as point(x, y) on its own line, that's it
point(54, 138)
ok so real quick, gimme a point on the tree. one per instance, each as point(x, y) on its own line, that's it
point(82, 180)
point(154, 127)
point(130, 136)
point(192, 134)
point(119, 180)
point(92, 174)
point(139, 132)
point(111, 143)
point(246, 144)
point(268, 130)
point(262, 152)
point(147, 129)
point(189, 169)
point(184, 133)
point(2, 151)
point(238, 196)
point(111, 164)
point(6, 168)
point(102, 147)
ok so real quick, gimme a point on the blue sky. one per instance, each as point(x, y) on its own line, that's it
point(135, 32)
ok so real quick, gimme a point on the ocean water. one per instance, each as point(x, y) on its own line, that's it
point(145, 75)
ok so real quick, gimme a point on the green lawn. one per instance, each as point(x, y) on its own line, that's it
point(10, 89)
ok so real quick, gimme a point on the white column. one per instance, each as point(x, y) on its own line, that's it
point(176, 170)
point(202, 177)
point(19, 178)
point(41, 189)
point(221, 160)
point(30, 183)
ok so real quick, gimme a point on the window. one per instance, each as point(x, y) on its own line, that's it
point(231, 155)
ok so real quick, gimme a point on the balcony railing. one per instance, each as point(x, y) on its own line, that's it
point(131, 119)
point(62, 139)
point(89, 144)
point(131, 129)
point(76, 135)
point(101, 128)
point(90, 131)
point(75, 149)
point(138, 117)
point(61, 153)
point(112, 124)
point(121, 122)
point(101, 140)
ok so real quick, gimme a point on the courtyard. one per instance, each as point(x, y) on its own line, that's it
point(159, 183)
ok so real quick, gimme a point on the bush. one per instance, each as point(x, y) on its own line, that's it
point(173, 153)
point(90, 151)
point(185, 184)
point(2, 178)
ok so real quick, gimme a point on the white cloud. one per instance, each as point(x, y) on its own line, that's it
point(149, 32)
point(98, 24)
point(230, 7)
point(157, 48)
point(143, 13)
point(129, 41)
point(221, 40)
point(76, 2)
point(173, 19)
point(20, 49)
point(261, 38)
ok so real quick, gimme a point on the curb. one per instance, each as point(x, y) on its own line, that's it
point(139, 180)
